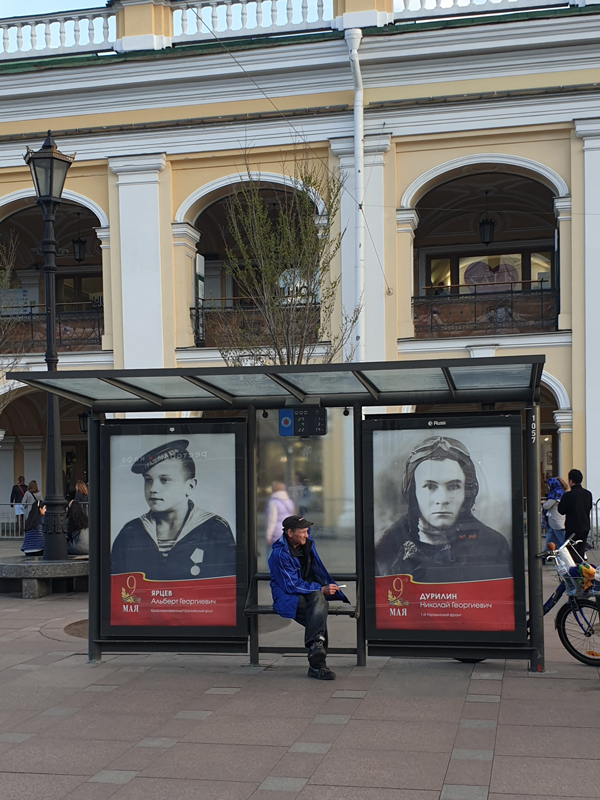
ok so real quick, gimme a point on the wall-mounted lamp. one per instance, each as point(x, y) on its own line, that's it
point(83, 422)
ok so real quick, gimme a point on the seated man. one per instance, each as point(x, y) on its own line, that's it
point(301, 586)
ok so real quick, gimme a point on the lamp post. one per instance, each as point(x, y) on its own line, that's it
point(49, 170)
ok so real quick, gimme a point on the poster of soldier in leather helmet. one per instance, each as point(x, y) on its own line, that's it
point(443, 523)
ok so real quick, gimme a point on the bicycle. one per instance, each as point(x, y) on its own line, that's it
point(577, 621)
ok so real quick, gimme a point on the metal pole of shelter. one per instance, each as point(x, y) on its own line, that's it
point(251, 537)
point(534, 539)
point(361, 644)
point(94, 648)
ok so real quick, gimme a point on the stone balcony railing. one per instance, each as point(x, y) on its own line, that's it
point(96, 30)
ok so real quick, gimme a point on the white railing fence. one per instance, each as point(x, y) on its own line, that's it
point(94, 30)
point(53, 34)
point(201, 19)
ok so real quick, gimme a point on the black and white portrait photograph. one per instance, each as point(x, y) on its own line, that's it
point(443, 509)
point(173, 506)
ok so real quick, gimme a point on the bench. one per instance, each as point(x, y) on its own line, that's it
point(37, 578)
point(252, 609)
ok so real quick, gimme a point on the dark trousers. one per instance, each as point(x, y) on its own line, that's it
point(312, 615)
point(579, 548)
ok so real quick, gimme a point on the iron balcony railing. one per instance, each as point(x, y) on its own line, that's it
point(208, 316)
point(79, 326)
point(488, 309)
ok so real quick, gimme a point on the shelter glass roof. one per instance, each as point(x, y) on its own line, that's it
point(391, 383)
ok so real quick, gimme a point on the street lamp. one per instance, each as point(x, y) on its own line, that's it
point(49, 169)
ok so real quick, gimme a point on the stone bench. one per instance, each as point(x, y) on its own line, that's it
point(37, 578)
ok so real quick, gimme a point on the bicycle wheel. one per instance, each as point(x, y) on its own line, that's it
point(579, 631)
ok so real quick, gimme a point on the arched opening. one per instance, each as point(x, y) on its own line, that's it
point(216, 287)
point(23, 448)
point(79, 289)
point(481, 279)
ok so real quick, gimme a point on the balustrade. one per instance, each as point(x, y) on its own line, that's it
point(53, 34)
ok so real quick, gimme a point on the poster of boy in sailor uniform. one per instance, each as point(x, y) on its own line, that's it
point(175, 539)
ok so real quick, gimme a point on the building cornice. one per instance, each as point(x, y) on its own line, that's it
point(520, 341)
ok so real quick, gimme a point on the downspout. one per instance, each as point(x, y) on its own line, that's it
point(353, 38)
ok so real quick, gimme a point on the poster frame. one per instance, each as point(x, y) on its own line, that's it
point(439, 423)
point(174, 428)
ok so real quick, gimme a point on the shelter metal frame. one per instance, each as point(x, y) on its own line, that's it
point(359, 385)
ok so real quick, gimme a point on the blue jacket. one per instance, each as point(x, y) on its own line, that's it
point(286, 578)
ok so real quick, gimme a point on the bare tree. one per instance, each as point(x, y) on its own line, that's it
point(11, 323)
point(280, 262)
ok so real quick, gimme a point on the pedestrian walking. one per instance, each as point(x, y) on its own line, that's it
point(33, 543)
point(81, 492)
point(555, 532)
point(279, 507)
point(16, 498)
point(576, 505)
point(32, 495)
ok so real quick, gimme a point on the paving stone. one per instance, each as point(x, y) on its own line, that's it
point(331, 719)
point(15, 737)
point(349, 693)
point(282, 784)
point(112, 776)
point(221, 690)
point(473, 755)
point(160, 741)
point(60, 711)
point(100, 687)
point(482, 698)
point(192, 714)
point(309, 747)
point(450, 792)
point(483, 724)
point(487, 676)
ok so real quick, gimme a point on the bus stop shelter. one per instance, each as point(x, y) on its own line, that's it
point(387, 626)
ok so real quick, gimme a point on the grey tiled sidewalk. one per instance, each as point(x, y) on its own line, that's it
point(156, 727)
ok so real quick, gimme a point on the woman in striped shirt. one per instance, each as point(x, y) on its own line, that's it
point(33, 543)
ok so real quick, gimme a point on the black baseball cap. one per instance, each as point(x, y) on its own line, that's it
point(292, 523)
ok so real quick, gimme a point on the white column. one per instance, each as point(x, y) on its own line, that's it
point(564, 423)
point(562, 210)
point(589, 131)
point(107, 293)
point(376, 146)
point(343, 148)
point(407, 220)
point(139, 250)
point(32, 458)
point(7, 468)
point(185, 239)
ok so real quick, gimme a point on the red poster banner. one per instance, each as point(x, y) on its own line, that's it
point(136, 601)
point(401, 604)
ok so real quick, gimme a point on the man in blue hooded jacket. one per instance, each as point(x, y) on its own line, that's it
point(301, 587)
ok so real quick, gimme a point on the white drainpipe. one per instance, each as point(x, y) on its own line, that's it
point(353, 38)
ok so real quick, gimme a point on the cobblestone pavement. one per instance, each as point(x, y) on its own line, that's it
point(172, 727)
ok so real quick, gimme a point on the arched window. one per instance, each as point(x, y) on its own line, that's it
point(500, 276)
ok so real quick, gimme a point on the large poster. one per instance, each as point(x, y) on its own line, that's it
point(446, 507)
point(173, 528)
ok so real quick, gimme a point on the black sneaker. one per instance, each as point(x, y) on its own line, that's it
point(322, 674)
point(317, 655)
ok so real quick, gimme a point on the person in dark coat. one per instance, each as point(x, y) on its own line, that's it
point(175, 540)
point(16, 498)
point(439, 540)
point(576, 506)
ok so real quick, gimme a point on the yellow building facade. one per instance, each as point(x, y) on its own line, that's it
point(459, 115)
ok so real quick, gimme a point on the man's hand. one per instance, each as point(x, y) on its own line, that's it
point(329, 590)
